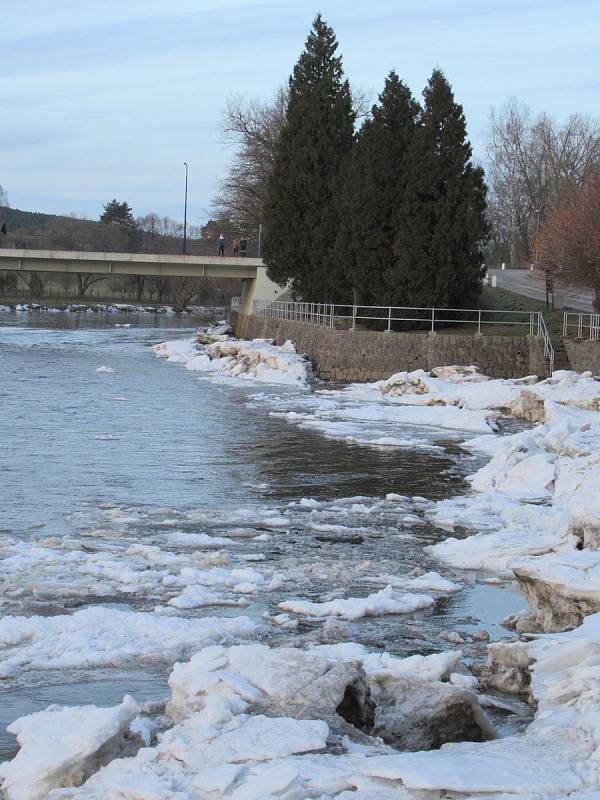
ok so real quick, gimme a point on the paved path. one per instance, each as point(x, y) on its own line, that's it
point(532, 284)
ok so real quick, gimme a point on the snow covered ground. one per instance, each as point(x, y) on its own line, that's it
point(257, 360)
point(306, 716)
point(101, 308)
point(240, 723)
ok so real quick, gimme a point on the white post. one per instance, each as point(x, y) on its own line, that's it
point(432, 319)
point(353, 317)
point(479, 322)
point(389, 327)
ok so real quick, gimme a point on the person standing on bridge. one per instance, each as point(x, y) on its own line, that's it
point(221, 244)
point(243, 244)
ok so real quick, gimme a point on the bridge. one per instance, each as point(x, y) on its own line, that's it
point(253, 272)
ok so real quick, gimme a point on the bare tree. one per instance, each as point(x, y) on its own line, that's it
point(85, 281)
point(252, 127)
point(533, 163)
point(161, 286)
point(184, 291)
point(570, 240)
point(35, 282)
point(3, 197)
point(8, 283)
point(65, 281)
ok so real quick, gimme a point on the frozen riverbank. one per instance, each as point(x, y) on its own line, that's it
point(103, 308)
point(240, 723)
point(333, 703)
point(536, 503)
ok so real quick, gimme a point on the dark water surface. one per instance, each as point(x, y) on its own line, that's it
point(150, 436)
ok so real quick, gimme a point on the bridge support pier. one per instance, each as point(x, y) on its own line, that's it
point(248, 292)
point(259, 288)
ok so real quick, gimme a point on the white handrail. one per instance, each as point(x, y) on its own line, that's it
point(327, 314)
point(582, 323)
point(548, 346)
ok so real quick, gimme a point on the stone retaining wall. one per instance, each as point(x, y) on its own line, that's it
point(583, 355)
point(343, 355)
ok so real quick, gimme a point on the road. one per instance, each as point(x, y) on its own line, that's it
point(532, 284)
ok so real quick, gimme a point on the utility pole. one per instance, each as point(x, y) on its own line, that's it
point(259, 238)
point(185, 164)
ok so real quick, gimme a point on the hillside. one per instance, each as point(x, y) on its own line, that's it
point(21, 221)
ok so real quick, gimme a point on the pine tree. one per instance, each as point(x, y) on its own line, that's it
point(373, 192)
point(300, 217)
point(442, 226)
point(117, 213)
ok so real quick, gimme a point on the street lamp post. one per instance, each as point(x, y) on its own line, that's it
point(537, 235)
point(185, 164)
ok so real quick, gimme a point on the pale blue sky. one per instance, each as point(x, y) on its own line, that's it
point(108, 98)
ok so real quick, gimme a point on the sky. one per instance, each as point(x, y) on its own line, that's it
point(108, 99)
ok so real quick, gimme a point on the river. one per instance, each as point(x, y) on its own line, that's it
point(137, 454)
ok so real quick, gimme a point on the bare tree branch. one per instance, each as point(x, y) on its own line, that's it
point(533, 163)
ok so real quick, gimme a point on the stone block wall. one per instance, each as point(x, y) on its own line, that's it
point(583, 354)
point(345, 355)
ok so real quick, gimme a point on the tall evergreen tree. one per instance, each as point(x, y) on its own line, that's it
point(116, 213)
point(442, 227)
point(300, 216)
point(372, 194)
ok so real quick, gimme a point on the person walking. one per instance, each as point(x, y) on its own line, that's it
point(221, 244)
point(243, 244)
point(3, 235)
point(236, 247)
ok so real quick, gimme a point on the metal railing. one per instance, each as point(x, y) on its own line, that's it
point(542, 330)
point(581, 326)
point(349, 316)
point(430, 319)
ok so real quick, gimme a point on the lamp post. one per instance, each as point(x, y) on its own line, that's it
point(185, 164)
point(538, 211)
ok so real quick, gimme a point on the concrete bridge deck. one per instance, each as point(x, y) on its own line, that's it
point(257, 285)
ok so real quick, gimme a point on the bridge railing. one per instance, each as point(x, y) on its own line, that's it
point(581, 326)
point(111, 242)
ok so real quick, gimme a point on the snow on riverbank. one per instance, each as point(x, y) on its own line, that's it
point(536, 504)
point(538, 494)
point(251, 722)
point(327, 721)
point(60, 747)
point(103, 308)
point(258, 360)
